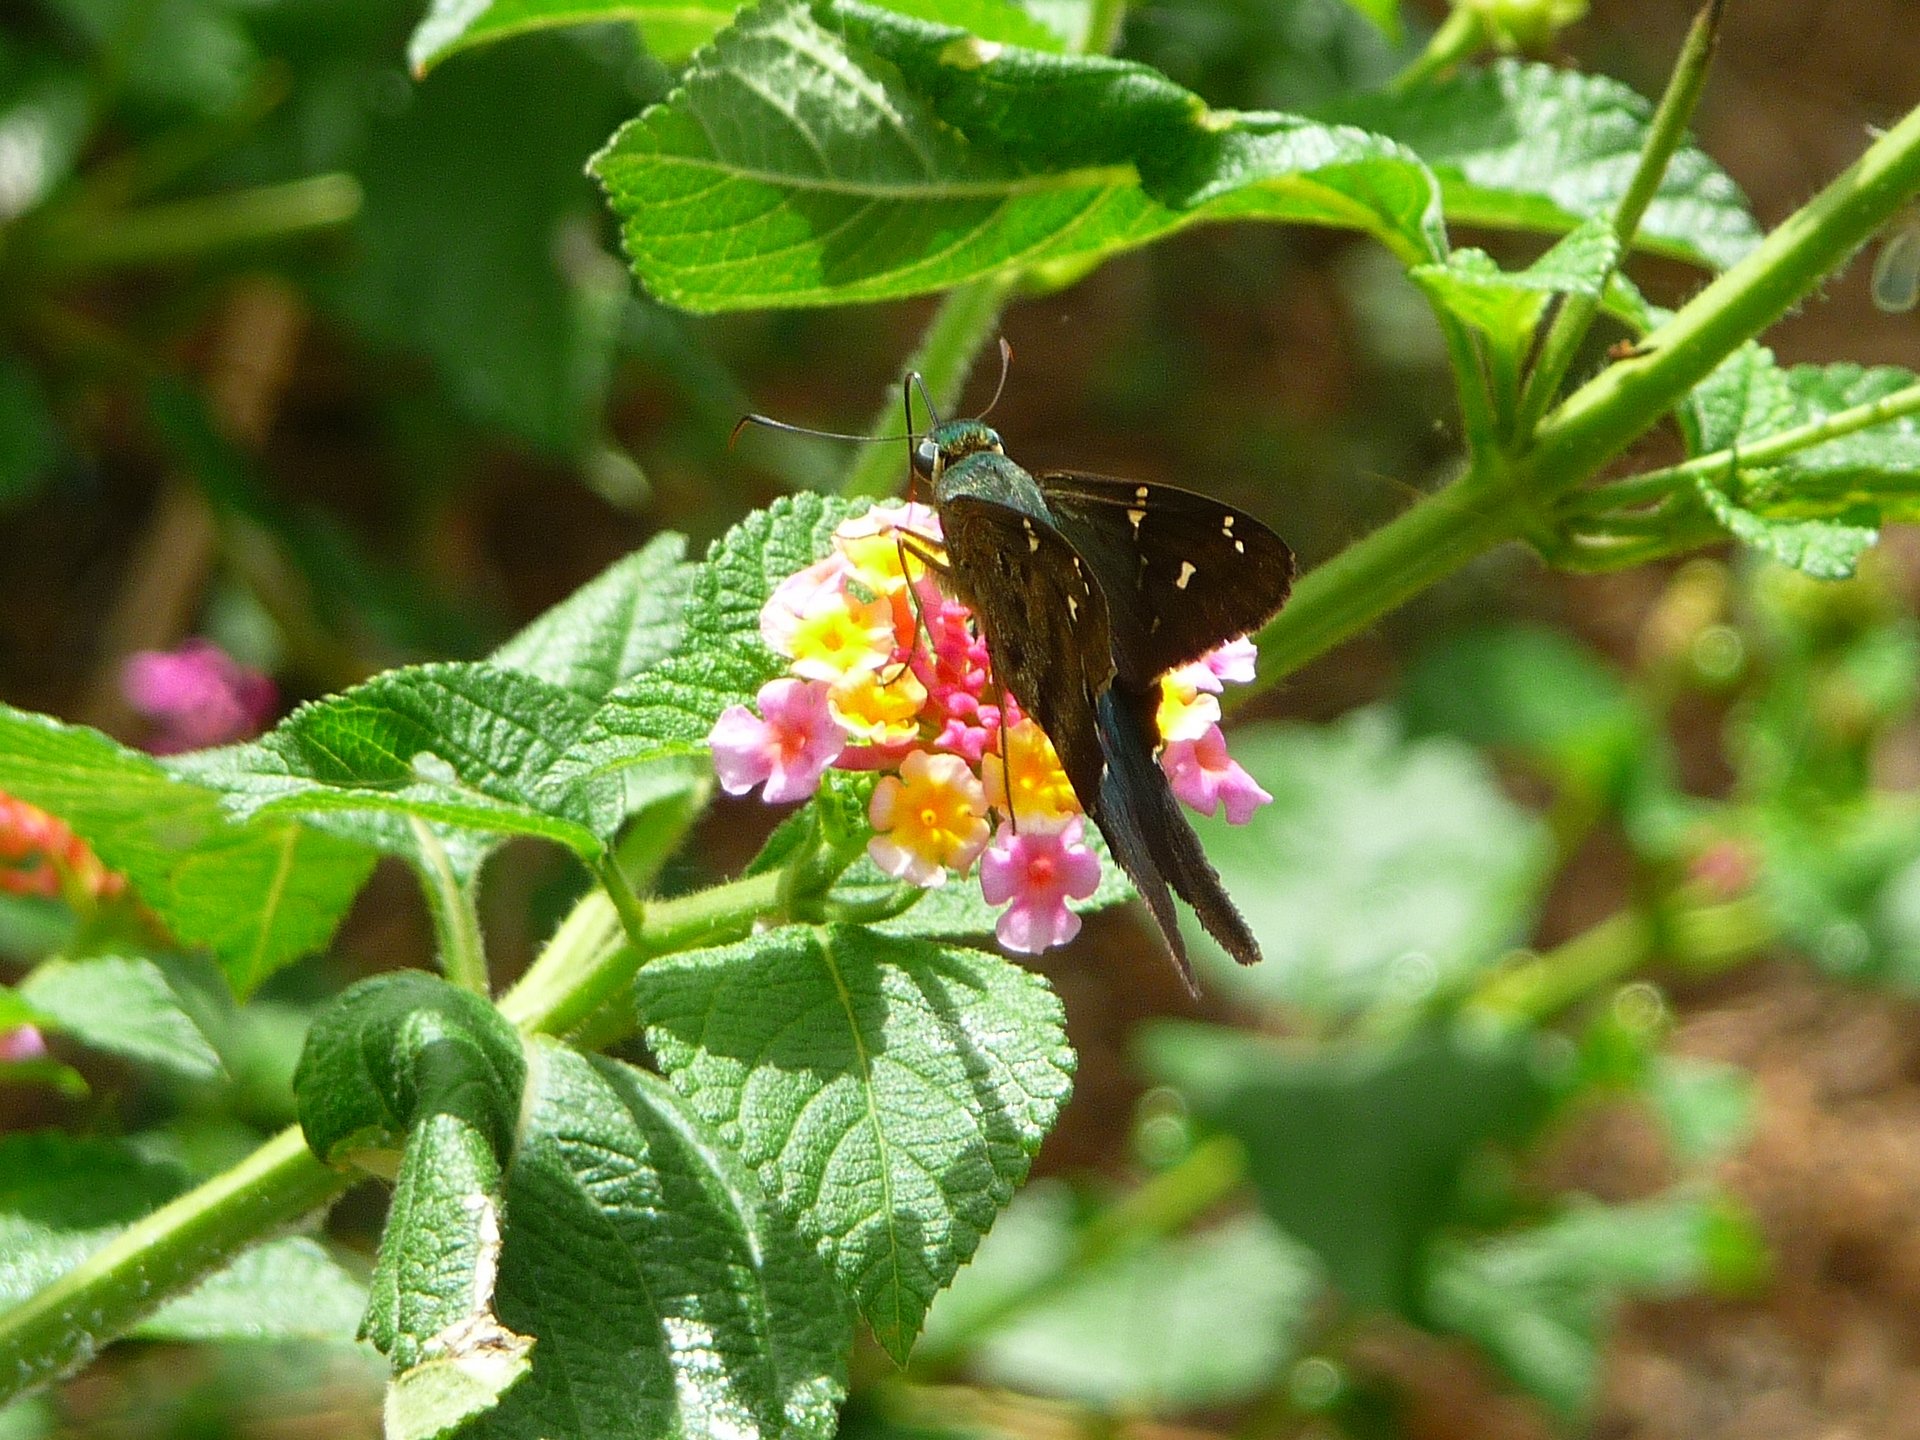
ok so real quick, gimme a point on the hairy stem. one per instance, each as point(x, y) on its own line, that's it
point(456, 921)
point(1657, 484)
point(1664, 137)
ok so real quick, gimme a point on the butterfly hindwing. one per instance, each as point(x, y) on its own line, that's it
point(1181, 573)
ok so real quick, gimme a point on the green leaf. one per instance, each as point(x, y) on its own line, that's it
point(475, 240)
point(1385, 870)
point(842, 152)
point(43, 124)
point(666, 1295)
point(461, 744)
point(673, 28)
point(125, 1005)
point(191, 54)
point(1881, 464)
point(1535, 147)
point(62, 1198)
point(258, 895)
point(1542, 1300)
point(1505, 305)
point(1533, 692)
point(1707, 1110)
point(890, 1093)
point(1358, 1153)
point(616, 625)
point(1140, 1330)
point(1747, 398)
point(670, 707)
point(1383, 14)
point(407, 1058)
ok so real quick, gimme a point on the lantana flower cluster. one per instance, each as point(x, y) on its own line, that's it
point(40, 855)
point(889, 674)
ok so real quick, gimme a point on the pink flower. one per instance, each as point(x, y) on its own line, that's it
point(1233, 661)
point(1039, 872)
point(197, 695)
point(1206, 777)
point(22, 1043)
point(788, 750)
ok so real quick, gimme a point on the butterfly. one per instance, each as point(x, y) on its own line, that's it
point(1088, 589)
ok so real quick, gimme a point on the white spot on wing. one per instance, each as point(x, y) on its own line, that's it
point(1187, 572)
point(1136, 516)
point(1033, 539)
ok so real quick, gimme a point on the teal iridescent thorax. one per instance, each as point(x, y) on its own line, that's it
point(964, 460)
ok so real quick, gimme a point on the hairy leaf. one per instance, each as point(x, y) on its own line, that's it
point(125, 1005)
point(1541, 148)
point(891, 1093)
point(258, 895)
point(666, 1296)
point(840, 152)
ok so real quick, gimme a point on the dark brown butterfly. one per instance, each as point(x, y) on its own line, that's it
point(1087, 590)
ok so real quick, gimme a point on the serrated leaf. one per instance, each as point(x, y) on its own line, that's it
point(841, 152)
point(890, 1093)
point(1385, 870)
point(1810, 510)
point(124, 1005)
point(1537, 147)
point(258, 895)
point(406, 1059)
point(628, 617)
point(1506, 305)
point(666, 1295)
point(669, 708)
point(63, 1197)
point(1140, 1330)
point(465, 745)
point(1541, 1300)
point(1356, 1153)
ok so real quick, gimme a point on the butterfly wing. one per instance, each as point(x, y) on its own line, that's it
point(1044, 620)
point(1182, 573)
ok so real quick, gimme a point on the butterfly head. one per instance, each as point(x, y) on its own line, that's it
point(950, 441)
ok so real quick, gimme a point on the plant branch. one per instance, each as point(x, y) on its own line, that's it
point(456, 922)
point(182, 229)
point(1459, 38)
point(1655, 485)
point(1664, 137)
point(62, 1326)
point(1625, 400)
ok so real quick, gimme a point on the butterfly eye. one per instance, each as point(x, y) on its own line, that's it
point(926, 455)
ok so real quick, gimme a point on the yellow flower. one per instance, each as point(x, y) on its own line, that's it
point(879, 710)
point(879, 545)
point(1187, 710)
point(927, 820)
point(1041, 795)
point(839, 634)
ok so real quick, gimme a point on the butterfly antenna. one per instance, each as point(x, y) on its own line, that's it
point(769, 423)
point(914, 382)
point(1006, 361)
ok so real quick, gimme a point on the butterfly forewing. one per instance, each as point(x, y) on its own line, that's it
point(1045, 623)
point(1181, 573)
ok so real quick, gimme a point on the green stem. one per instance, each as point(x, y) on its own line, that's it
point(61, 1327)
point(456, 922)
point(1664, 137)
point(186, 228)
point(965, 320)
point(568, 983)
point(1625, 400)
point(1460, 37)
point(1376, 574)
point(1657, 484)
point(1168, 1202)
